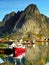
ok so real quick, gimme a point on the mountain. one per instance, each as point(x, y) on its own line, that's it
point(30, 21)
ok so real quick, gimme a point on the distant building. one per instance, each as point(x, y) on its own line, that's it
point(1, 40)
point(47, 39)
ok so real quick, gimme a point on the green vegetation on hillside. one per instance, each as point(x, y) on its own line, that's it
point(0, 23)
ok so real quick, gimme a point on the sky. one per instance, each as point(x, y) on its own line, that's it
point(7, 6)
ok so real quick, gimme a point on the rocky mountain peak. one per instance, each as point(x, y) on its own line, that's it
point(12, 13)
point(29, 20)
point(32, 9)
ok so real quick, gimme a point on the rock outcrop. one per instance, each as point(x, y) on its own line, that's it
point(28, 21)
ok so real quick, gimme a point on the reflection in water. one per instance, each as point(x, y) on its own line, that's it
point(47, 64)
point(15, 61)
point(38, 55)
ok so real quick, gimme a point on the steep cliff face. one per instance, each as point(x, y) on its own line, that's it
point(35, 23)
point(9, 21)
point(30, 20)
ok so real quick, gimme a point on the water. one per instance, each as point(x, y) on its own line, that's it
point(38, 55)
point(15, 61)
point(47, 63)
